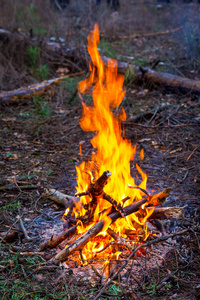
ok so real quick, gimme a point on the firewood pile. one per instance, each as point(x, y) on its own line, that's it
point(150, 203)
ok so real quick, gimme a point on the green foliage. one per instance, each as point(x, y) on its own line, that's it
point(168, 286)
point(42, 108)
point(18, 288)
point(33, 56)
point(24, 115)
point(129, 77)
point(107, 49)
point(140, 61)
point(29, 18)
point(113, 292)
point(11, 206)
point(49, 172)
point(71, 85)
point(39, 71)
point(161, 68)
point(152, 287)
point(12, 154)
point(42, 72)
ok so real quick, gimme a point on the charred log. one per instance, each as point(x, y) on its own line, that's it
point(163, 213)
point(95, 190)
point(93, 231)
point(56, 240)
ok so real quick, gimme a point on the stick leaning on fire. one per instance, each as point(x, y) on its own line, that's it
point(116, 211)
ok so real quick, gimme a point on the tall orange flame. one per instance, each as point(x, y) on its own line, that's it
point(112, 151)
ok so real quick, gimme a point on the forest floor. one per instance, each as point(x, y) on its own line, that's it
point(39, 148)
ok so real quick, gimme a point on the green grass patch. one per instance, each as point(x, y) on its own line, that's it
point(140, 61)
point(42, 108)
point(106, 48)
point(11, 206)
point(38, 70)
point(129, 77)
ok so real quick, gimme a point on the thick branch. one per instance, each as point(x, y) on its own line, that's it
point(163, 213)
point(156, 199)
point(60, 198)
point(169, 81)
point(96, 189)
point(20, 94)
point(56, 240)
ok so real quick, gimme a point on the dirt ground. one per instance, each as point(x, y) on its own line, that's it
point(39, 144)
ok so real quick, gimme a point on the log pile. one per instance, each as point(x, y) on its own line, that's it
point(148, 203)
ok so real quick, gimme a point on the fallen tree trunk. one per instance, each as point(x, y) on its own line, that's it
point(166, 80)
point(93, 231)
point(23, 93)
point(63, 54)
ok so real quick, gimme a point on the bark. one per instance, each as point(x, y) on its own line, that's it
point(56, 240)
point(166, 80)
point(159, 199)
point(163, 213)
point(60, 198)
point(93, 231)
point(21, 94)
point(96, 189)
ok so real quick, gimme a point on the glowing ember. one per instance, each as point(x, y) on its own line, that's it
point(111, 152)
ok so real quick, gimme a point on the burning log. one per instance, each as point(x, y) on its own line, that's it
point(116, 205)
point(163, 213)
point(94, 230)
point(120, 240)
point(96, 189)
point(160, 213)
point(113, 153)
point(159, 199)
point(155, 199)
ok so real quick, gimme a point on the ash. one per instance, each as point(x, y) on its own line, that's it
point(134, 274)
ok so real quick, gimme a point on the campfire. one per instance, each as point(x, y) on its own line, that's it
point(111, 210)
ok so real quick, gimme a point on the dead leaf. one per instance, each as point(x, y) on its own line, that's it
point(40, 277)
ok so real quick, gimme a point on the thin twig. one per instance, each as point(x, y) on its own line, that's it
point(27, 238)
point(95, 271)
point(3, 238)
point(18, 187)
point(191, 154)
point(161, 239)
